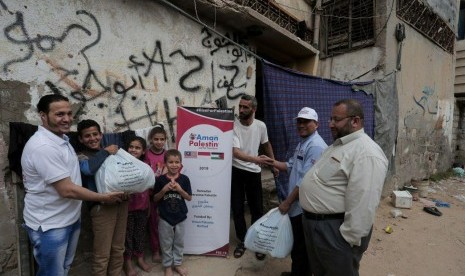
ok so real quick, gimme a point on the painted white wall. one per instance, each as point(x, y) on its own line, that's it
point(139, 59)
point(349, 66)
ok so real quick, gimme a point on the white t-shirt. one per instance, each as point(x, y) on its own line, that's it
point(46, 159)
point(248, 139)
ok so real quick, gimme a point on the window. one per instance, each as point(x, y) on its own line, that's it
point(346, 25)
point(423, 18)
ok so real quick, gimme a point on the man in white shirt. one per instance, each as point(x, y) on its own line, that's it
point(340, 193)
point(52, 180)
point(249, 135)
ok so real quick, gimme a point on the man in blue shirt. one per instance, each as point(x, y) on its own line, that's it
point(306, 154)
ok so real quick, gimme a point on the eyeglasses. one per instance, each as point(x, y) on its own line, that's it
point(337, 120)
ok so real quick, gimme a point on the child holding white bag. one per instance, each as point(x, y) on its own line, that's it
point(138, 212)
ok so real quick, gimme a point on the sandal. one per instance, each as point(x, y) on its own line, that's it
point(239, 251)
point(432, 211)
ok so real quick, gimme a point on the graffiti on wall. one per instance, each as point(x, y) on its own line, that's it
point(425, 106)
point(428, 102)
point(129, 95)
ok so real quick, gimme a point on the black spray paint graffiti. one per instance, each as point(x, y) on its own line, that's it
point(184, 77)
point(93, 88)
point(229, 83)
point(215, 44)
point(4, 7)
point(44, 43)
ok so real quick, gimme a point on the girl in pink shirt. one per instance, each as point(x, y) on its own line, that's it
point(154, 156)
point(137, 218)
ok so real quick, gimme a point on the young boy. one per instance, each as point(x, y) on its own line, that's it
point(108, 220)
point(171, 191)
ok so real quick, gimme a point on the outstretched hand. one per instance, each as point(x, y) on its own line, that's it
point(113, 197)
point(265, 160)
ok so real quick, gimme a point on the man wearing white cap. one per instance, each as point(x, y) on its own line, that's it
point(306, 154)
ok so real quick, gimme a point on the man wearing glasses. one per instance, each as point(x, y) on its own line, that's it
point(340, 193)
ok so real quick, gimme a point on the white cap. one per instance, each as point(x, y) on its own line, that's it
point(307, 113)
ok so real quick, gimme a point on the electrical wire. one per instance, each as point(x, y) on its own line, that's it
point(211, 29)
point(249, 51)
point(196, 13)
point(312, 12)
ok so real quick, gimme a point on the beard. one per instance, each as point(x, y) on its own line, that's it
point(245, 116)
point(56, 128)
point(342, 131)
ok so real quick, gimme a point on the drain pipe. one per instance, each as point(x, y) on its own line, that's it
point(316, 25)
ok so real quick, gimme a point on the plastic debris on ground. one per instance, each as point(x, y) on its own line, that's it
point(440, 203)
point(460, 197)
point(396, 213)
point(388, 229)
point(459, 171)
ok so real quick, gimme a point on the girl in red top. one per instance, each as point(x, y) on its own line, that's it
point(154, 156)
point(137, 218)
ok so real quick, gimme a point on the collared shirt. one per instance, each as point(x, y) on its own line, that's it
point(305, 155)
point(248, 139)
point(48, 158)
point(348, 178)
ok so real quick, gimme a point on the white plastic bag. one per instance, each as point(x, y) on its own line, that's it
point(122, 172)
point(271, 234)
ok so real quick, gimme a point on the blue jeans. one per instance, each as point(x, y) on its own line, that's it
point(54, 249)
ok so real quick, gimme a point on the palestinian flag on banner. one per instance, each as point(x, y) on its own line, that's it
point(217, 155)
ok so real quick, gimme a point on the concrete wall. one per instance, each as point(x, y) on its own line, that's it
point(425, 87)
point(125, 64)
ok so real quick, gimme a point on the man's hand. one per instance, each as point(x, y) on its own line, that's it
point(284, 207)
point(113, 197)
point(112, 149)
point(264, 160)
point(126, 196)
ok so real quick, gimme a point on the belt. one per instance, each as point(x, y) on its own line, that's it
point(313, 216)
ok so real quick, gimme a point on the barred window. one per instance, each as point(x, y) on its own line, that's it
point(346, 25)
point(422, 17)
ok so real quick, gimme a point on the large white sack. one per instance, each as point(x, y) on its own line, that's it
point(122, 172)
point(271, 234)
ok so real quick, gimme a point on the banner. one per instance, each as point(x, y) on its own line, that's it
point(204, 138)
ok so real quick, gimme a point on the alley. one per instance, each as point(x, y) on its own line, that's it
point(421, 244)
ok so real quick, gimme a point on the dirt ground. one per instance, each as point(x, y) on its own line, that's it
point(420, 244)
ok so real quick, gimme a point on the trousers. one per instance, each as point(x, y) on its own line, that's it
point(329, 253)
point(171, 242)
point(109, 228)
point(54, 249)
point(245, 183)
